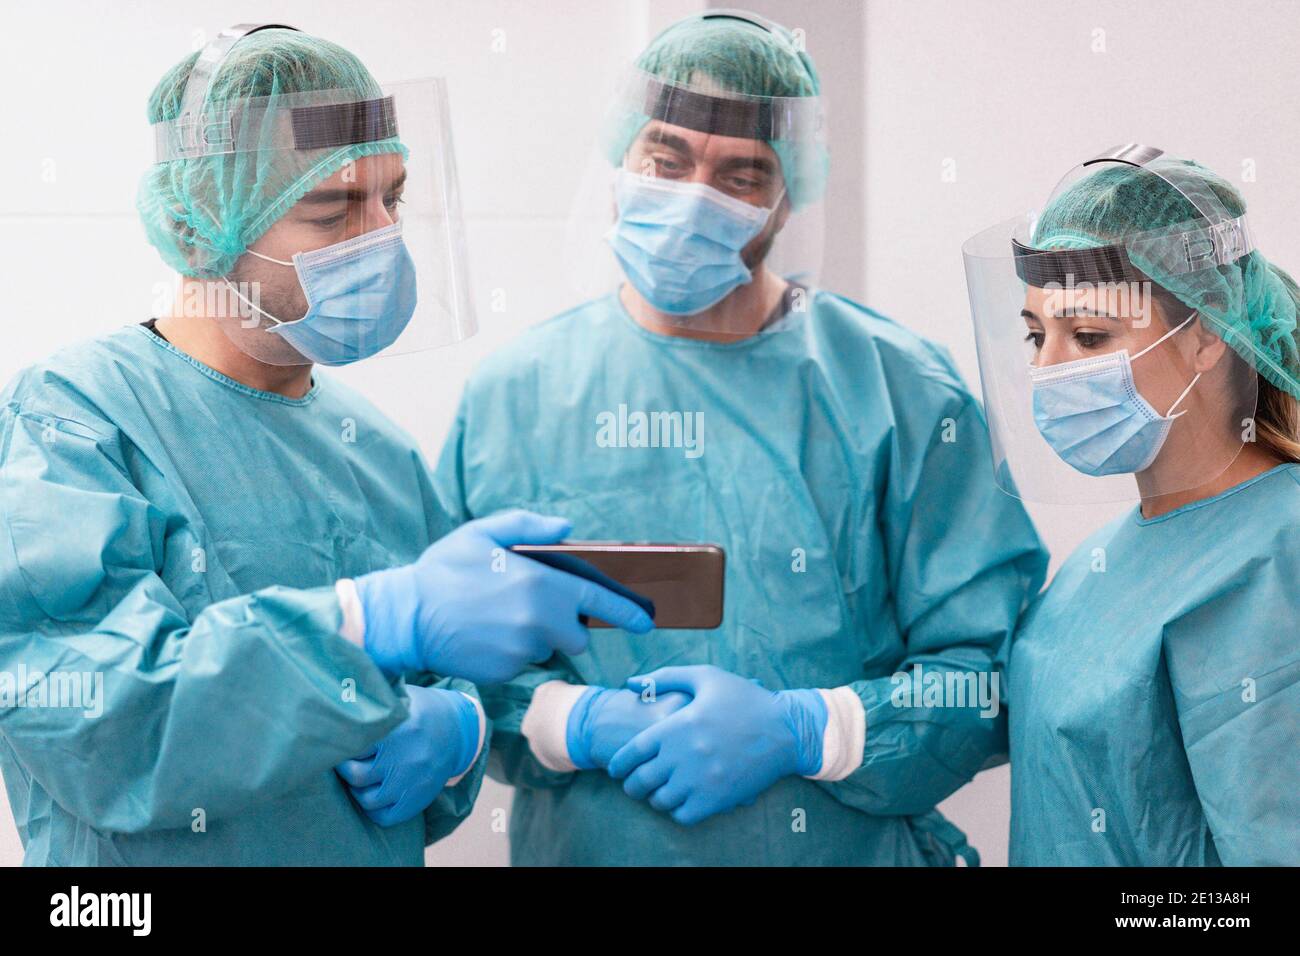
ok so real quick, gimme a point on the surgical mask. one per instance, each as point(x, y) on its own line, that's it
point(1093, 416)
point(680, 243)
point(360, 296)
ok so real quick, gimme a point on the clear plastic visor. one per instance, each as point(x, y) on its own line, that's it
point(701, 206)
point(1099, 384)
point(348, 168)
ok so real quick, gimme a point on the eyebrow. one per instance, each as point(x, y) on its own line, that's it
point(665, 138)
point(353, 194)
point(758, 163)
point(1079, 313)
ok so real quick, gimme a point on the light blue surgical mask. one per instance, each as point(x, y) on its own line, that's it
point(360, 296)
point(679, 243)
point(1093, 416)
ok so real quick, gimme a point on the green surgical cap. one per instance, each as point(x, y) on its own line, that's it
point(203, 212)
point(735, 56)
point(1249, 303)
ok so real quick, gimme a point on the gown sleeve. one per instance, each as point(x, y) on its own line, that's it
point(245, 702)
point(962, 561)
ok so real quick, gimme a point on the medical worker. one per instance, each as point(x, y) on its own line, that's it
point(1155, 685)
point(217, 565)
point(836, 457)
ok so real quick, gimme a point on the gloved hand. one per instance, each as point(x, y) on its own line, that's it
point(603, 720)
point(470, 608)
point(729, 744)
point(406, 771)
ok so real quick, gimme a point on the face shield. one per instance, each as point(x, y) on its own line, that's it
point(695, 192)
point(327, 222)
point(1105, 364)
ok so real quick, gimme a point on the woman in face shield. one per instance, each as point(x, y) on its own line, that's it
point(1155, 684)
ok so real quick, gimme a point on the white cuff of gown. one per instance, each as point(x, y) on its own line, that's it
point(546, 723)
point(482, 732)
point(354, 618)
point(846, 734)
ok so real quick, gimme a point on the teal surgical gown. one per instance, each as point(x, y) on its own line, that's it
point(1155, 691)
point(176, 535)
point(844, 468)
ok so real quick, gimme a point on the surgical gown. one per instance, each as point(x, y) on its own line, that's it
point(844, 468)
point(178, 534)
point(1155, 691)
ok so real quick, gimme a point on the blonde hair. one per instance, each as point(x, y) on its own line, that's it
point(1277, 422)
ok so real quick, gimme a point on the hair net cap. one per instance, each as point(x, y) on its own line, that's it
point(729, 54)
point(1250, 303)
point(203, 212)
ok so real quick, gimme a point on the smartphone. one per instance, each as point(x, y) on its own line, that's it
point(679, 585)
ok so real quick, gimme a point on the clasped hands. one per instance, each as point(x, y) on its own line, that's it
point(696, 741)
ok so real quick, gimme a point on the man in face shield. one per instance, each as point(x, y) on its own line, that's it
point(874, 572)
point(261, 626)
point(699, 212)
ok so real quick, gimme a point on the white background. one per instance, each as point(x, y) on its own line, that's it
point(1008, 95)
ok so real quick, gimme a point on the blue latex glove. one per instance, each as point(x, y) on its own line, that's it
point(603, 720)
point(729, 744)
point(470, 608)
point(406, 771)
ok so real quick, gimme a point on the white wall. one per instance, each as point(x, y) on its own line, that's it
point(1011, 92)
